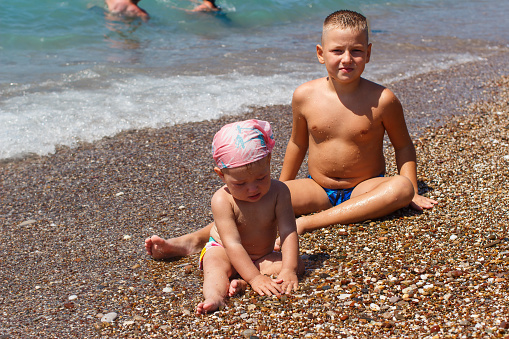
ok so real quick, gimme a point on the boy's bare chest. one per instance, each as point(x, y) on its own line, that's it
point(339, 122)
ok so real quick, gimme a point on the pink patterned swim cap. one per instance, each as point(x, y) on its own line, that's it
point(241, 143)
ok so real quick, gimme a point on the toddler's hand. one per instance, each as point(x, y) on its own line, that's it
point(264, 285)
point(288, 280)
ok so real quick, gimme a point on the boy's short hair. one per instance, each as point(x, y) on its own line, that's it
point(344, 19)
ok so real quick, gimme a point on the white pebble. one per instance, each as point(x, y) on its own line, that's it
point(73, 297)
point(344, 296)
point(408, 290)
point(167, 289)
point(109, 317)
point(27, 222)
point(127, 237)
point(453, 237)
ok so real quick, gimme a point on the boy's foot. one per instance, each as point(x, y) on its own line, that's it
point(209, 306)
point(237, 286)
point(160, 248)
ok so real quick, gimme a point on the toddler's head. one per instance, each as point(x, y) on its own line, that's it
point(241, 151)
point(241, 143)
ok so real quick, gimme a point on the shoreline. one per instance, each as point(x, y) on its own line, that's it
point(430, 109)
point(73, 225)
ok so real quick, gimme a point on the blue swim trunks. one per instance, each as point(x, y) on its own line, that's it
point(340, 195)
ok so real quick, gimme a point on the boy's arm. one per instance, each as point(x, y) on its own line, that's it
point(237, 254)
point(289, 240)
point(299, 140)
point(404, 150)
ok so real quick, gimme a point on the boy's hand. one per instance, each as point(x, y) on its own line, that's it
point(419, 202)
point(288, 280)
point(264, 285)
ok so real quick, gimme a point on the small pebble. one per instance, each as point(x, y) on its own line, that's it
point(394, 299)
point(387, 315)
point(435, 328)
point(248, 333)
point(109, 317)
point(27, 222)
point(69, 305)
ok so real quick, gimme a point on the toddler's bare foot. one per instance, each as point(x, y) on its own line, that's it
point(160, 248)
point(209, 306)
point(277, 245)
point(237, 286)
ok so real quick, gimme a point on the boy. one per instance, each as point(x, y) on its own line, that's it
point(127, 8)
point(248, 211)
point(341, 120)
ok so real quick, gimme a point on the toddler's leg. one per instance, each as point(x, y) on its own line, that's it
point(182, 246)
point(216, 283)
point(237, 286)
point(272, 263)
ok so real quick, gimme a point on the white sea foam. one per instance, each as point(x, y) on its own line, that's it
point(37, 122)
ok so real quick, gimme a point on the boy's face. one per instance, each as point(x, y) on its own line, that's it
point(247, 183)
point(345, 53)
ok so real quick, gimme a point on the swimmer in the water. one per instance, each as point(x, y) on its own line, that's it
point(127, 8)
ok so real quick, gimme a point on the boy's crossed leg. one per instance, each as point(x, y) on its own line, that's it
point(372, 198)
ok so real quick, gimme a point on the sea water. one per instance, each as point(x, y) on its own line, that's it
point(70, 73)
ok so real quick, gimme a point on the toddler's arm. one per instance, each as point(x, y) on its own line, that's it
point(289, 240)
point(237, 254)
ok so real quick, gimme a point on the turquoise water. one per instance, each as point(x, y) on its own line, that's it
point(70, 73)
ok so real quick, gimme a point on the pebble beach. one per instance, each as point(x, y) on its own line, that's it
point(73, 226)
